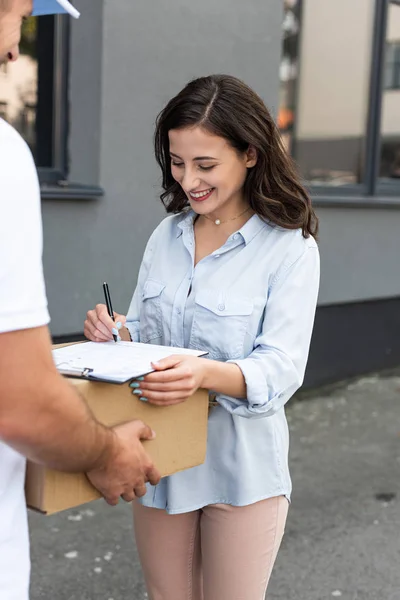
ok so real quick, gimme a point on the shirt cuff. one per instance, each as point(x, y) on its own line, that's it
point(134, 330)
point(258, 402)
point(262, 401)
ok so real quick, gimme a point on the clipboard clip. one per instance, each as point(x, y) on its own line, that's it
point(73, 372)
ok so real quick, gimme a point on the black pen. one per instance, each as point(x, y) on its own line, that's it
point(109, 305)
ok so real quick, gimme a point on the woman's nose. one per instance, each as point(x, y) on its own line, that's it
point(190, 180)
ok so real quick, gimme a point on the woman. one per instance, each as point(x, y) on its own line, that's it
point(234, 271)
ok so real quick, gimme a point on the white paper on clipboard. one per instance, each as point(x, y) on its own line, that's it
point(116, 362)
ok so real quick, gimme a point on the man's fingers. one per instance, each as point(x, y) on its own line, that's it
point(111, 500)
point(140, 490)
point(146, 433)
point(153, 476)
point(128, 496)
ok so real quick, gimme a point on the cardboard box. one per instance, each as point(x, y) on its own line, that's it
point(180, 443)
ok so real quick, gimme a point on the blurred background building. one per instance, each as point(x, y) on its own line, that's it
point(85, 96)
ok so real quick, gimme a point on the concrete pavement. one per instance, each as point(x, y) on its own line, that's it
point(343, 532)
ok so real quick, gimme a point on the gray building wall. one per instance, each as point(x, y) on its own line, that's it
point(127, 60)
point(360, 254)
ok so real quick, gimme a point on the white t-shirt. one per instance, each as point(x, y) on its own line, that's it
point(23, 305)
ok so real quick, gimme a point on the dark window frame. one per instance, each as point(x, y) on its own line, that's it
point(59, 142)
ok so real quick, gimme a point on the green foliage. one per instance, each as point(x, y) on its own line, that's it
point(28, 37)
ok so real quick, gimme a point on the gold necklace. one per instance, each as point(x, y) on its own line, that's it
point(219, 222)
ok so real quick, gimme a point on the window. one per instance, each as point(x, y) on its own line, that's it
point(33, 93)
point(289, 71)
point(392, 67)
point(330, 62)
point(340, 94)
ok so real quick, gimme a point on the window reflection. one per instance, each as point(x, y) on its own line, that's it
point(325, 75)
point(289, 71)
point(18, 86)
point(390, 123)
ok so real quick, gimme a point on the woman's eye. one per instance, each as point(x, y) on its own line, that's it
point(175, 164)
point(206, 168)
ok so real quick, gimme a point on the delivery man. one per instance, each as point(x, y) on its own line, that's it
point(41, 416)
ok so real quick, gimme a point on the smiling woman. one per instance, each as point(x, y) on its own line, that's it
point(234, 273)
point(271, 183)
point(210, 172)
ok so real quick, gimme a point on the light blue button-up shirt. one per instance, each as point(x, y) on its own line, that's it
point(251, 302)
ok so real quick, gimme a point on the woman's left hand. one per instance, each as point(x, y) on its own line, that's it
point(174, 380)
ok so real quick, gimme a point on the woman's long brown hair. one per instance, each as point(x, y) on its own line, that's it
point(227, 107)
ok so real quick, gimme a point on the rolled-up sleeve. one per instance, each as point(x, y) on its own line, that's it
point(133, 316)
point(275, 369)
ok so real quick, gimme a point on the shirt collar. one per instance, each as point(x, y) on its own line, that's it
point(249, 230)
point(186, 222)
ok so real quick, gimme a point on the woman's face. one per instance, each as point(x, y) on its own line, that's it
point(209, 170)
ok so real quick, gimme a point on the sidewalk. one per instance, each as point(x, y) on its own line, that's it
point(343, 533)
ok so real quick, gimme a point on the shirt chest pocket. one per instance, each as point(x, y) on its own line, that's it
point(150, 311)
point(220, 323)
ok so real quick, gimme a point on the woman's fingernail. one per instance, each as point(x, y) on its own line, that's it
point(119, 325)
point(140, 378)
point(119, 338)
point(115, 331)
point(134, 385)
point(143, 399)
point(137, 392)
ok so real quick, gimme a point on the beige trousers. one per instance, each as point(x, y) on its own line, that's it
point(220, 552)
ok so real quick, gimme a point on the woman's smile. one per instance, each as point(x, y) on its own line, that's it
point(201, 195)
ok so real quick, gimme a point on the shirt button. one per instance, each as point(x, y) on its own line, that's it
point(235, 237)
point(221, 306)
point(178, 310)
point(217, 255)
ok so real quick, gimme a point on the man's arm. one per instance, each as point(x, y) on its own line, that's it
point(42, 417)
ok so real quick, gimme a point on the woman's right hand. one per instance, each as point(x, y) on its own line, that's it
point(99, 325)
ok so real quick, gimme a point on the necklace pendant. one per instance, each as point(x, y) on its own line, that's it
point(217, 221)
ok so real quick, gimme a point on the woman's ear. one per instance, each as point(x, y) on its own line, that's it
point(251, 157)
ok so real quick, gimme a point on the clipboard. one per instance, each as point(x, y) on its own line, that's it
point(86, 375)
point(111, 362)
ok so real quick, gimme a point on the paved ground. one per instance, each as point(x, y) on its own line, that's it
point(343, 532)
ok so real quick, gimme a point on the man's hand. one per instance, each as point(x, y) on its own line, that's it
point(127, 467)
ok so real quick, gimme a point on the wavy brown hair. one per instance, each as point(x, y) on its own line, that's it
point(227, 107)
